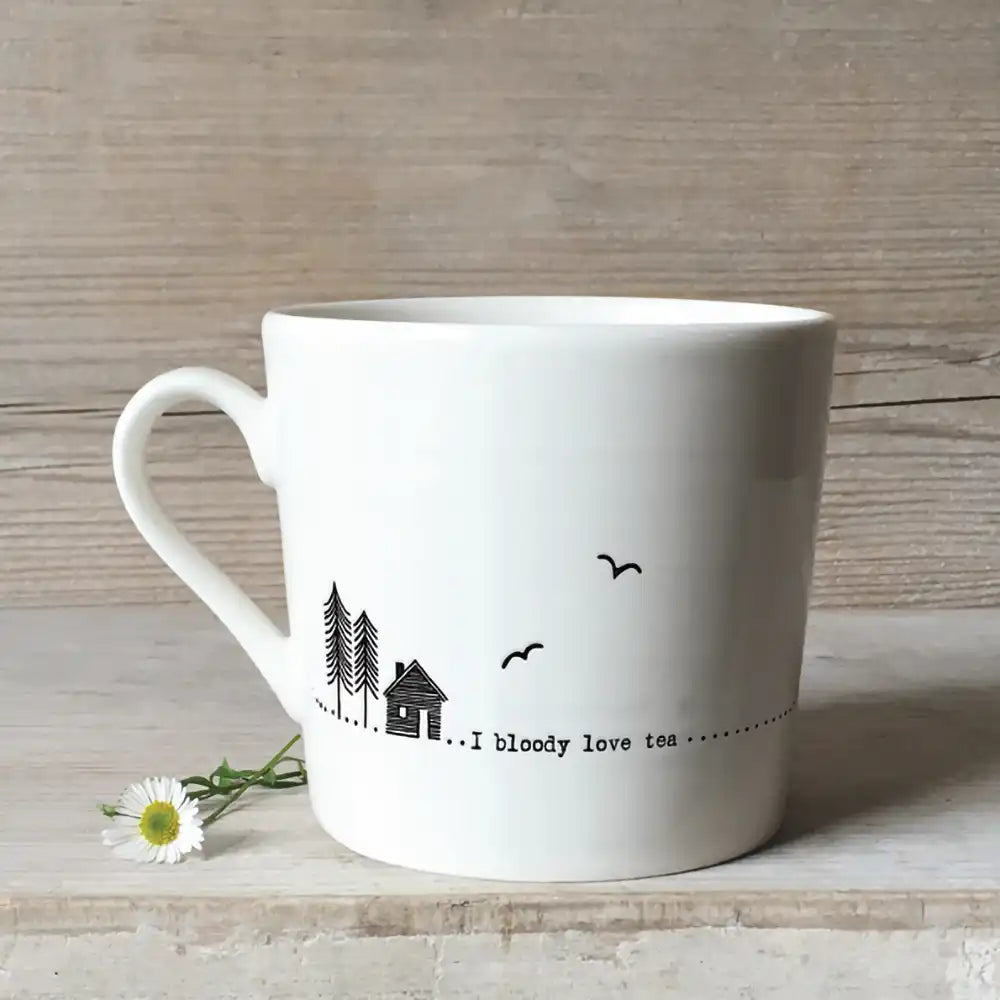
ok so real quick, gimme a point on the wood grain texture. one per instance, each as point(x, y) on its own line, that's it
point(891, 823)
point(171, 169)
point(885, 879)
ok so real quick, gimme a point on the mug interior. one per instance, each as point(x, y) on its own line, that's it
point(559, 310)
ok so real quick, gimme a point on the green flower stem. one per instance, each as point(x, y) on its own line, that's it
point(231, 783)
point(251, 780)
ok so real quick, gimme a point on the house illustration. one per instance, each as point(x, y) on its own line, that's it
point(413, 703)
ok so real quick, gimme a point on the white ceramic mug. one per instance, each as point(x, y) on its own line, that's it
point(547, 563)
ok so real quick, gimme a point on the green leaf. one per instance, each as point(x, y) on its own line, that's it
point(229, 783)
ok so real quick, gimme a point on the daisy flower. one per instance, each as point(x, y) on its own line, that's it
point(154, 821)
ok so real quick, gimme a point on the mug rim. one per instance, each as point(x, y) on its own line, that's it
point(555, 312)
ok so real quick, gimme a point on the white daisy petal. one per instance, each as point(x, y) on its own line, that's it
point(189, 811)
point(157, 822)
point(133, 800)
point(131, 850)
point(117, 834)
point(191, 841)
point(137, 791)
point(143, 852)
point(123, 826)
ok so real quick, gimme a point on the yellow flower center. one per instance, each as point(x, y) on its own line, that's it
point(159, 823)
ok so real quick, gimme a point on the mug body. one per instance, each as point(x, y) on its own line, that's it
point(548, 562)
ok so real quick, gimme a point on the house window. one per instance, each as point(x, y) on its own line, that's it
point(402, 711)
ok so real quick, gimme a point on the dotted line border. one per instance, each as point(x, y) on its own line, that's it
point(344, 718)
point(697, 738)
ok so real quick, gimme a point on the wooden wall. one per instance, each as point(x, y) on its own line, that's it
point(171, 168)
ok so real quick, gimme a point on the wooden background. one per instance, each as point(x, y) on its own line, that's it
point(169, 169)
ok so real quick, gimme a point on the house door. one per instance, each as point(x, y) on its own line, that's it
point(422, 722)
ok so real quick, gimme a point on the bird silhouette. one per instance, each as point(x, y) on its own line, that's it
point(616, 570)
point(520, 654)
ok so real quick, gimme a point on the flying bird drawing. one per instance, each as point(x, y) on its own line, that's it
point(520, 654)
point(616, 570)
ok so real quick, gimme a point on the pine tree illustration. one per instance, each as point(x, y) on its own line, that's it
point(365, 660)
point(339, 662)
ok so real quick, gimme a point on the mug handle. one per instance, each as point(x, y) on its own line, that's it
point(263, 642)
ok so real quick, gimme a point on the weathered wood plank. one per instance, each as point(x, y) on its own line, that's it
point(170, 171)
point(911, 513)
point(885, 876)
point(895, 793)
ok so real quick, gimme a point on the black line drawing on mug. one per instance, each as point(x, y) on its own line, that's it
point(520, 654)
point(413, 703)
point(339, 652)
point(365, 661)
point(616, 570)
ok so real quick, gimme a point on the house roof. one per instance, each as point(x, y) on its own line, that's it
point(415, 668)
